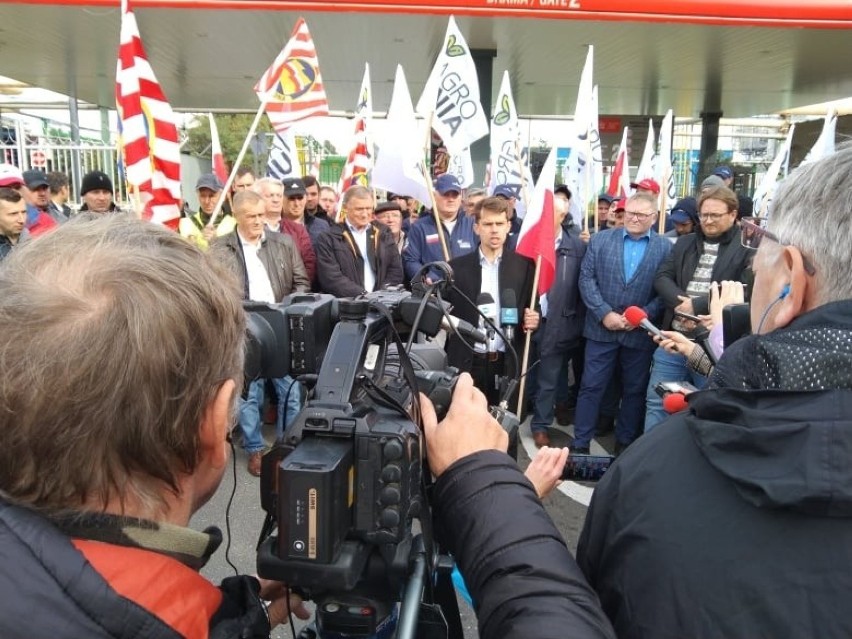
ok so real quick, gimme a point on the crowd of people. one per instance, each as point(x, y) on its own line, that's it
point(728, 519)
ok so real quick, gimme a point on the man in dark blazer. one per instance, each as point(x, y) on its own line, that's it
point(618, 272)
point(358, 255)
point(490, 269)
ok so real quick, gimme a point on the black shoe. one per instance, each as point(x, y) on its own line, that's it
point(605, 425)
point(564, 414)
point(620, 448)
point(581, 450)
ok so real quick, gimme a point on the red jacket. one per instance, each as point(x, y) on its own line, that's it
point(303, 241)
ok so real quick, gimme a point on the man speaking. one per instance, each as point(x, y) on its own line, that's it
point(734, 518)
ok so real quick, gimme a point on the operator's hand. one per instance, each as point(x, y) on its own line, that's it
point(468, 427)
point(279, 605)
point(531, 319)
point(614, 322)
point(545, 470)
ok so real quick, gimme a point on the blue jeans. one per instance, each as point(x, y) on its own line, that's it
point(252, 406)
point(667, 367)
point(602, 360)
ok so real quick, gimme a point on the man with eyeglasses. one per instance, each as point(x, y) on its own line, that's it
point(732, 519)
point(618, 272)
point(713, 253)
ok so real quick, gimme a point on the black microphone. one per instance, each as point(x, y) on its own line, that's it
point(486, 305)
point(508, 313)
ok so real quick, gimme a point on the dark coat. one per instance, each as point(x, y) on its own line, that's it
point(279, 256)
point(603, 287)
point(519, 572)
point(424, 245)
point(734, 518)
point(516, 272)
point(562, 331)
point(732, 263)
point(340, 265)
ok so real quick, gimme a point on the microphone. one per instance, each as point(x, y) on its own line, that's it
point(637, 318)
point(508, 313)
point(488, 307)
point(674, 403)
point(465, 329)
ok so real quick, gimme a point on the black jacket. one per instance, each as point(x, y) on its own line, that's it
point(734, 519)
point(566, 313)
point(340, 265)
point(520, 574)
point(51, 590)
point(516, 273)
point(732, 263)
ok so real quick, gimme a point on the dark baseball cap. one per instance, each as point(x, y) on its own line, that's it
point(294, 187)
point(506, 191)
point(35, 179)
point(684, 210)
point(447, 182)
point(209, 181)
point(606, 197)
point(724, 172)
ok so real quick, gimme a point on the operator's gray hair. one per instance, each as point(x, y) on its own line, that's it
point(812, 210)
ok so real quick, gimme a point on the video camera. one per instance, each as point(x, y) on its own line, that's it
point(349, 477)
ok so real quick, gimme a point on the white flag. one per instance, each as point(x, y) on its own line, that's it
point(646, 164)
point(577, 171)
point(283, 161)
point(509, 163)
point(765, 191)
point(451, 95)
point(824, 146)
point(399, 156)
point(462, 167)
point(595, 145)
point(665, 169)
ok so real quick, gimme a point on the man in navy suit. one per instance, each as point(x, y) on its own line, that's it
point(617, 272)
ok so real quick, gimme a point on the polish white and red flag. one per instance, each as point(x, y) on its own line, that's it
point(149, 136)
point(291, 88)
point(219, 167)
point(537, 237)
point(619, 180)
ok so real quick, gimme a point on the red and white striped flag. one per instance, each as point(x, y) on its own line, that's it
point(360, 159)
point(292, 88)
point(147, 123)
point(537, 237)
point(219, 167)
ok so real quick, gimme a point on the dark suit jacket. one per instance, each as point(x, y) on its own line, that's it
point(603, 287)
point(516, 273)
point(340, 265)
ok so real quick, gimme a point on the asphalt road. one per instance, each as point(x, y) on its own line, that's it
point(566, 505)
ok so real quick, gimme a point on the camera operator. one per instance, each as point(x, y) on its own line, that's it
point(732, 519)
point(122, 358)
point(514, 561)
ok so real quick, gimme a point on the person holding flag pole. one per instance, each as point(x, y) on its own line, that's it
point(290, 90)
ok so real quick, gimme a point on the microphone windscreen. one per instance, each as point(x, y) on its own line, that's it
point(674, 403)
point(484, 298)
point(634, 315)
point(508, 298)
point(508, 307)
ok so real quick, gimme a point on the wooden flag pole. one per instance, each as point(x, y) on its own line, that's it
point(528, 338)
point(238, 162)
point(664, 192)
point(438, 224)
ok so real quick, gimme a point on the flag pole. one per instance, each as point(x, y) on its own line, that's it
point(438, 224)
point(528, 337)
point(664, 193)
point(239, 161)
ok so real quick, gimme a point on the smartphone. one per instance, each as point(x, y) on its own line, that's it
point(694, 318)
point(586, 467)
point(666, 388)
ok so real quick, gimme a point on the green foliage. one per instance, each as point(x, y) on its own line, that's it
point(232, 128)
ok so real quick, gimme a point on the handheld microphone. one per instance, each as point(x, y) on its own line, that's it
point(674, 403)
point(508, 313)
point(638, 318)
point(486, 305)
point(465, 329)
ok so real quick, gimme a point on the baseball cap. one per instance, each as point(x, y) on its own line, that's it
point(684, 210)
point(606, 197)
point(293, 187)
point(506, 191)
point(209, 181)
point(35, 179)
point(10, 175)
point(648, 184)
point(447, 182)
point(724, 172)
point(621, 205)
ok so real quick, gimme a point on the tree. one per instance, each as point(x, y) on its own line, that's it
point(232, 127)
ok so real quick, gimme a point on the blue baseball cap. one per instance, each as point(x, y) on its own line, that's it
point(447, 182)
point(505, 190)
point(684, 210)
point(724, 172)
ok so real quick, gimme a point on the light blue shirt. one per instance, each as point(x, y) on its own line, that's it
point(634, 251)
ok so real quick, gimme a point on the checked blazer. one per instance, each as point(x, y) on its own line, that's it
point(604, 289)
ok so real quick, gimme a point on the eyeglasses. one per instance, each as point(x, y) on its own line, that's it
point(712, 217)
point(753, 231)
point(638, 216)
